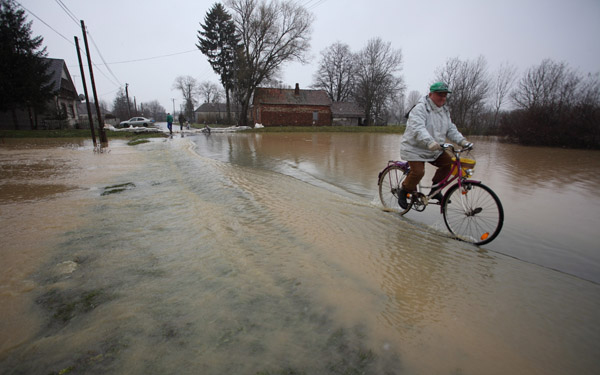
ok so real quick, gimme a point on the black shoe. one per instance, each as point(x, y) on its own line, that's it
point(402, 199)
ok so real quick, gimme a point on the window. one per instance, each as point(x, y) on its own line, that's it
point(315, 116)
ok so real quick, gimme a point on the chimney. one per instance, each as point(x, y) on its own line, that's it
point(297, 90)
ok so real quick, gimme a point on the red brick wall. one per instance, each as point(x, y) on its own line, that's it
point(273, 115)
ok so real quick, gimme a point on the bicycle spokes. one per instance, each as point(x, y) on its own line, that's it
point(390, 184)
point(473, 213)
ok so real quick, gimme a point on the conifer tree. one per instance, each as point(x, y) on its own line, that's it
point(23, 69)
point(218, 41)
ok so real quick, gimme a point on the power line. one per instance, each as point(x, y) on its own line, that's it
point(154, 57)
point(307, 3)
point(104, 61)
point(109, 92)
point(311, 7)
point(44, 22)
point(74, 18)
point(68, 11)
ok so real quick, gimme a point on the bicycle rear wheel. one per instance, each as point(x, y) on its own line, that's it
point(473, 213)
point(390, 183)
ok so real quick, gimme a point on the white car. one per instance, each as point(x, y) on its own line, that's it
point(136, 121)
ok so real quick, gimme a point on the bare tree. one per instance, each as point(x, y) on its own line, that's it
point(188, 87)
point(271, 33)
point(376, 82)
point(335, 73)
point(153, 110)
point(548, 84)
point(469, 83)
point(397, 110)
point(412, 99)
point(209, 92)
point(557, 107)
point(589, 91)
point(505, 78)
point(276, 83)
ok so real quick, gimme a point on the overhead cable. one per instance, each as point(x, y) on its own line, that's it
point(75, 19)
point(44, 22)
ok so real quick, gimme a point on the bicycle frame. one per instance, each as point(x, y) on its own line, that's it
point(446, 181)
point(450, 178)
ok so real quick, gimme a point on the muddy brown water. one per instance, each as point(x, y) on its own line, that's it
point(270, 254)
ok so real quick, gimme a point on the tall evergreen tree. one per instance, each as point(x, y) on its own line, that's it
point(23, 69)
point(218, 41)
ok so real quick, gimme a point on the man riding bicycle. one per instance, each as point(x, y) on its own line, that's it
point(428, 126)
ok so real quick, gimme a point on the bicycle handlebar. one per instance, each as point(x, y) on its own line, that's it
point(447, 146)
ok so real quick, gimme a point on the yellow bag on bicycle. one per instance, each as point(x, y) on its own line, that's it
point(465, 164)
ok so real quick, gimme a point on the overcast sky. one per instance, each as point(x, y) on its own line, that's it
point(147, 44)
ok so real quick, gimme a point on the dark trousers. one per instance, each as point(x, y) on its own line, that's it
point(417, 171)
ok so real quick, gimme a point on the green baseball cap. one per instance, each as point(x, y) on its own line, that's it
point(439, 87)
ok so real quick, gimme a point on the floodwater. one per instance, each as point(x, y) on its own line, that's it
point(270, 254)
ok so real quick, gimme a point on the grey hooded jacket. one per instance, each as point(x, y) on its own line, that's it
point(427, 123)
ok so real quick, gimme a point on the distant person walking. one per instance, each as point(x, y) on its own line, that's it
point(181, 121)
point(170, 123)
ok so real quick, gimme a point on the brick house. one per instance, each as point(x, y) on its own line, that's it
point(287, 107)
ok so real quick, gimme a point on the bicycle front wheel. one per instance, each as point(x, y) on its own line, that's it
point(390, 184)
point(473, 213)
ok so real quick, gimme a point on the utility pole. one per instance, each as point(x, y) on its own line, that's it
point(135, 106)
point(173, 99)
point(87, 98)
point(127, 94)
point(102, 133)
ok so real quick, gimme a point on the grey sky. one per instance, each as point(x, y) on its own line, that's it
point(133, 35)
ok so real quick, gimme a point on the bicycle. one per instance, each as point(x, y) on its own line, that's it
point(472, 211)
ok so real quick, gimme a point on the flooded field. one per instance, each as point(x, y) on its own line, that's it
point(270, 254)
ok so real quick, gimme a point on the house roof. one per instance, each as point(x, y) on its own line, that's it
point(216, 107)
point(60, 77)
point(263, 95)
point(82, 108)
point(346, 109)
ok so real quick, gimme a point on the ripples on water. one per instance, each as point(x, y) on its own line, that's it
point(214, 267)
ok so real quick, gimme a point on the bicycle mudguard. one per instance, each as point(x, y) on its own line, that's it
point(402, 164)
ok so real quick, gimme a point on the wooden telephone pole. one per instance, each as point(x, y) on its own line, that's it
point(87, 98)
point(102, 133)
